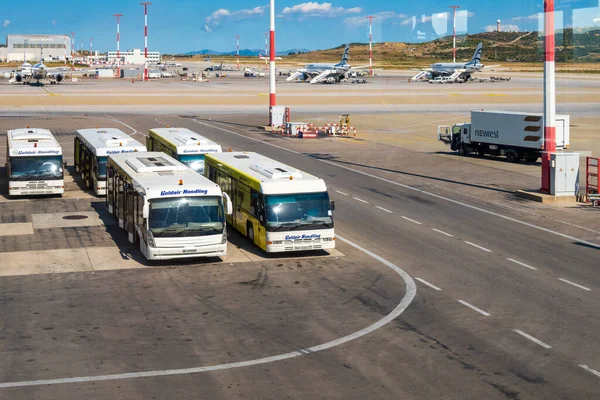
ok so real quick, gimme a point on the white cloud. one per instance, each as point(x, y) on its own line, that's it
point(596, 19)
point(409, 21)
point(532, 17)
point(216, 20)
point(503, 28)
point(54, 22)
point(314, 9)
point(380, 16)
point(6, 23)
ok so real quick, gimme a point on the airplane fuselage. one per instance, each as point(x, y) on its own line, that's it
point(449, 68)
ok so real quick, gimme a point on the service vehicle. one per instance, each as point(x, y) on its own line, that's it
point(278, 207)
point(183, 145)
point(167, 209)
point(92, 147)
point(34, 163)
point(515, 135)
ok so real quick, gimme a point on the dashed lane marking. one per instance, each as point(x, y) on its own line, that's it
point(537, 341)
point(478, 246)
point(593, 371)
point(522, 264)
point(411, 291)
point(424, 282)
point(411, 220)
point(442, 232)
point(361, 200)
point(575, 284)
point(472, 307)
point(342, 193)
point(384, 209)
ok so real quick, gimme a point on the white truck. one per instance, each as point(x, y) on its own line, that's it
point(515, 135)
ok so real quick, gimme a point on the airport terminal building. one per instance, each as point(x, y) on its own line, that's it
point(33, 47)
point(135, 57)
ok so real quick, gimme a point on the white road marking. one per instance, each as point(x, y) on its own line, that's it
point(424, 192)
point(472, 307)
point(411, 220)
point(411, 291)
point(361, 200)
point(544, 345)
point(384, 209)
point(442, 232)
point(478, 246)
point(574, 284)
point(424, 282)
point(522, 264)
point(124, 124)
point(593, 371)
point(345, 194)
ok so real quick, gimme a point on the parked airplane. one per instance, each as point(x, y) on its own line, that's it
point(38, 72)
point(321, 72)
point(260, 56)
point(457, 70)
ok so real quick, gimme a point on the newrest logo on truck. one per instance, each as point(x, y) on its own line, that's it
point(488, 134)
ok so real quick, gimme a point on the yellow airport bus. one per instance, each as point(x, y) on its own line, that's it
point(278, 207)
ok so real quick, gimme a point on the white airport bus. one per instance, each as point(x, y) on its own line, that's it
point(167, 209)
point(34, 163)
point(182, 144)
point(278, 207)
point(92, 147)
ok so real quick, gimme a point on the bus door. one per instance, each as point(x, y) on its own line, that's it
point(77, 151)
point(129, 213)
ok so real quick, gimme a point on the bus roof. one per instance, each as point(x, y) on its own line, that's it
point(28, 142)
point(105, 141)
point(267, 175)
point(158, 175)
point(184, 141)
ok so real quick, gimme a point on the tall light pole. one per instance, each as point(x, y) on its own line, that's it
point(370, 17)
point(272, 70)
point(454, 32)
point(118, 44)
point(91, 50)
point(73, 50)
point(237, 50)
point(66, 48)
point(146, 4)
point(549, 94)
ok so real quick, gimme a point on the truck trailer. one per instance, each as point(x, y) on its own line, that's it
point(515, 135)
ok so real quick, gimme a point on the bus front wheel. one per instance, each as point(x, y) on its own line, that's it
point(250, 231)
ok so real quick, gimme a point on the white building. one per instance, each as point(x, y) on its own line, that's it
point(135, 56)
point(33, 47)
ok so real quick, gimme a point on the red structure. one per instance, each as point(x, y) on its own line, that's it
point(118, 44)
point(370, 18)
point(145, 4)
point(549, 95)
point(272, 70)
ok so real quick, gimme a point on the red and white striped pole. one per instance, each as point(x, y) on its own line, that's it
point(549, 94)
point(72, 50)
point(66, 49)
point(371, 46)
point(237, 51)
point(454, 32)
point(91, 49)
point(146, 4)
point(118, 45)
point(272, 70)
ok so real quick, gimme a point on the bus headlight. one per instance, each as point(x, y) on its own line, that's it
point(224, 240)
point(151, 240)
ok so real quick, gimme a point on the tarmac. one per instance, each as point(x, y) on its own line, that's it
point(443, 284)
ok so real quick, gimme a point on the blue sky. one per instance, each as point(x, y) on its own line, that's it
point(188, 25)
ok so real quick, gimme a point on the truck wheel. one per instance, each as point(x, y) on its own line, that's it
point(250, 232)
point(511, 156)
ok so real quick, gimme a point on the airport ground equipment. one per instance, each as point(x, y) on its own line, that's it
point(278, 207)
point(183, 145)
point(167, 209)
point(591, 180)
point(34, 163)
point(91, 150)
point(564, 174)
point(515, 135)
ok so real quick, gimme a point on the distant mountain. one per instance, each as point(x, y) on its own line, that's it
point(244, 52)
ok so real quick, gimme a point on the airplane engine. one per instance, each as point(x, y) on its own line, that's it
point(7, 75)
point(59, 78)
point(467, 77)
point(18, 78)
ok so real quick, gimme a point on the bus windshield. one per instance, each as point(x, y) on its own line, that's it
point(36, 168)
point(298, 211)
point(102, 161)
point(194, 161)
point(186, 216)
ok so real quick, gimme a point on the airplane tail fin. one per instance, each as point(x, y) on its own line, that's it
point(345, 57)
point(477, 55)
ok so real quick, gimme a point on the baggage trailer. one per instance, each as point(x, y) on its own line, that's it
point(514, 135)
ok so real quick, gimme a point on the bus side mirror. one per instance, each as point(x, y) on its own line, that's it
point(332, 206)
point(145, 211)
point(228, 204)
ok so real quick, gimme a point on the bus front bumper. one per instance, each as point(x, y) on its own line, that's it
point(35, 188)
point(168, 253)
